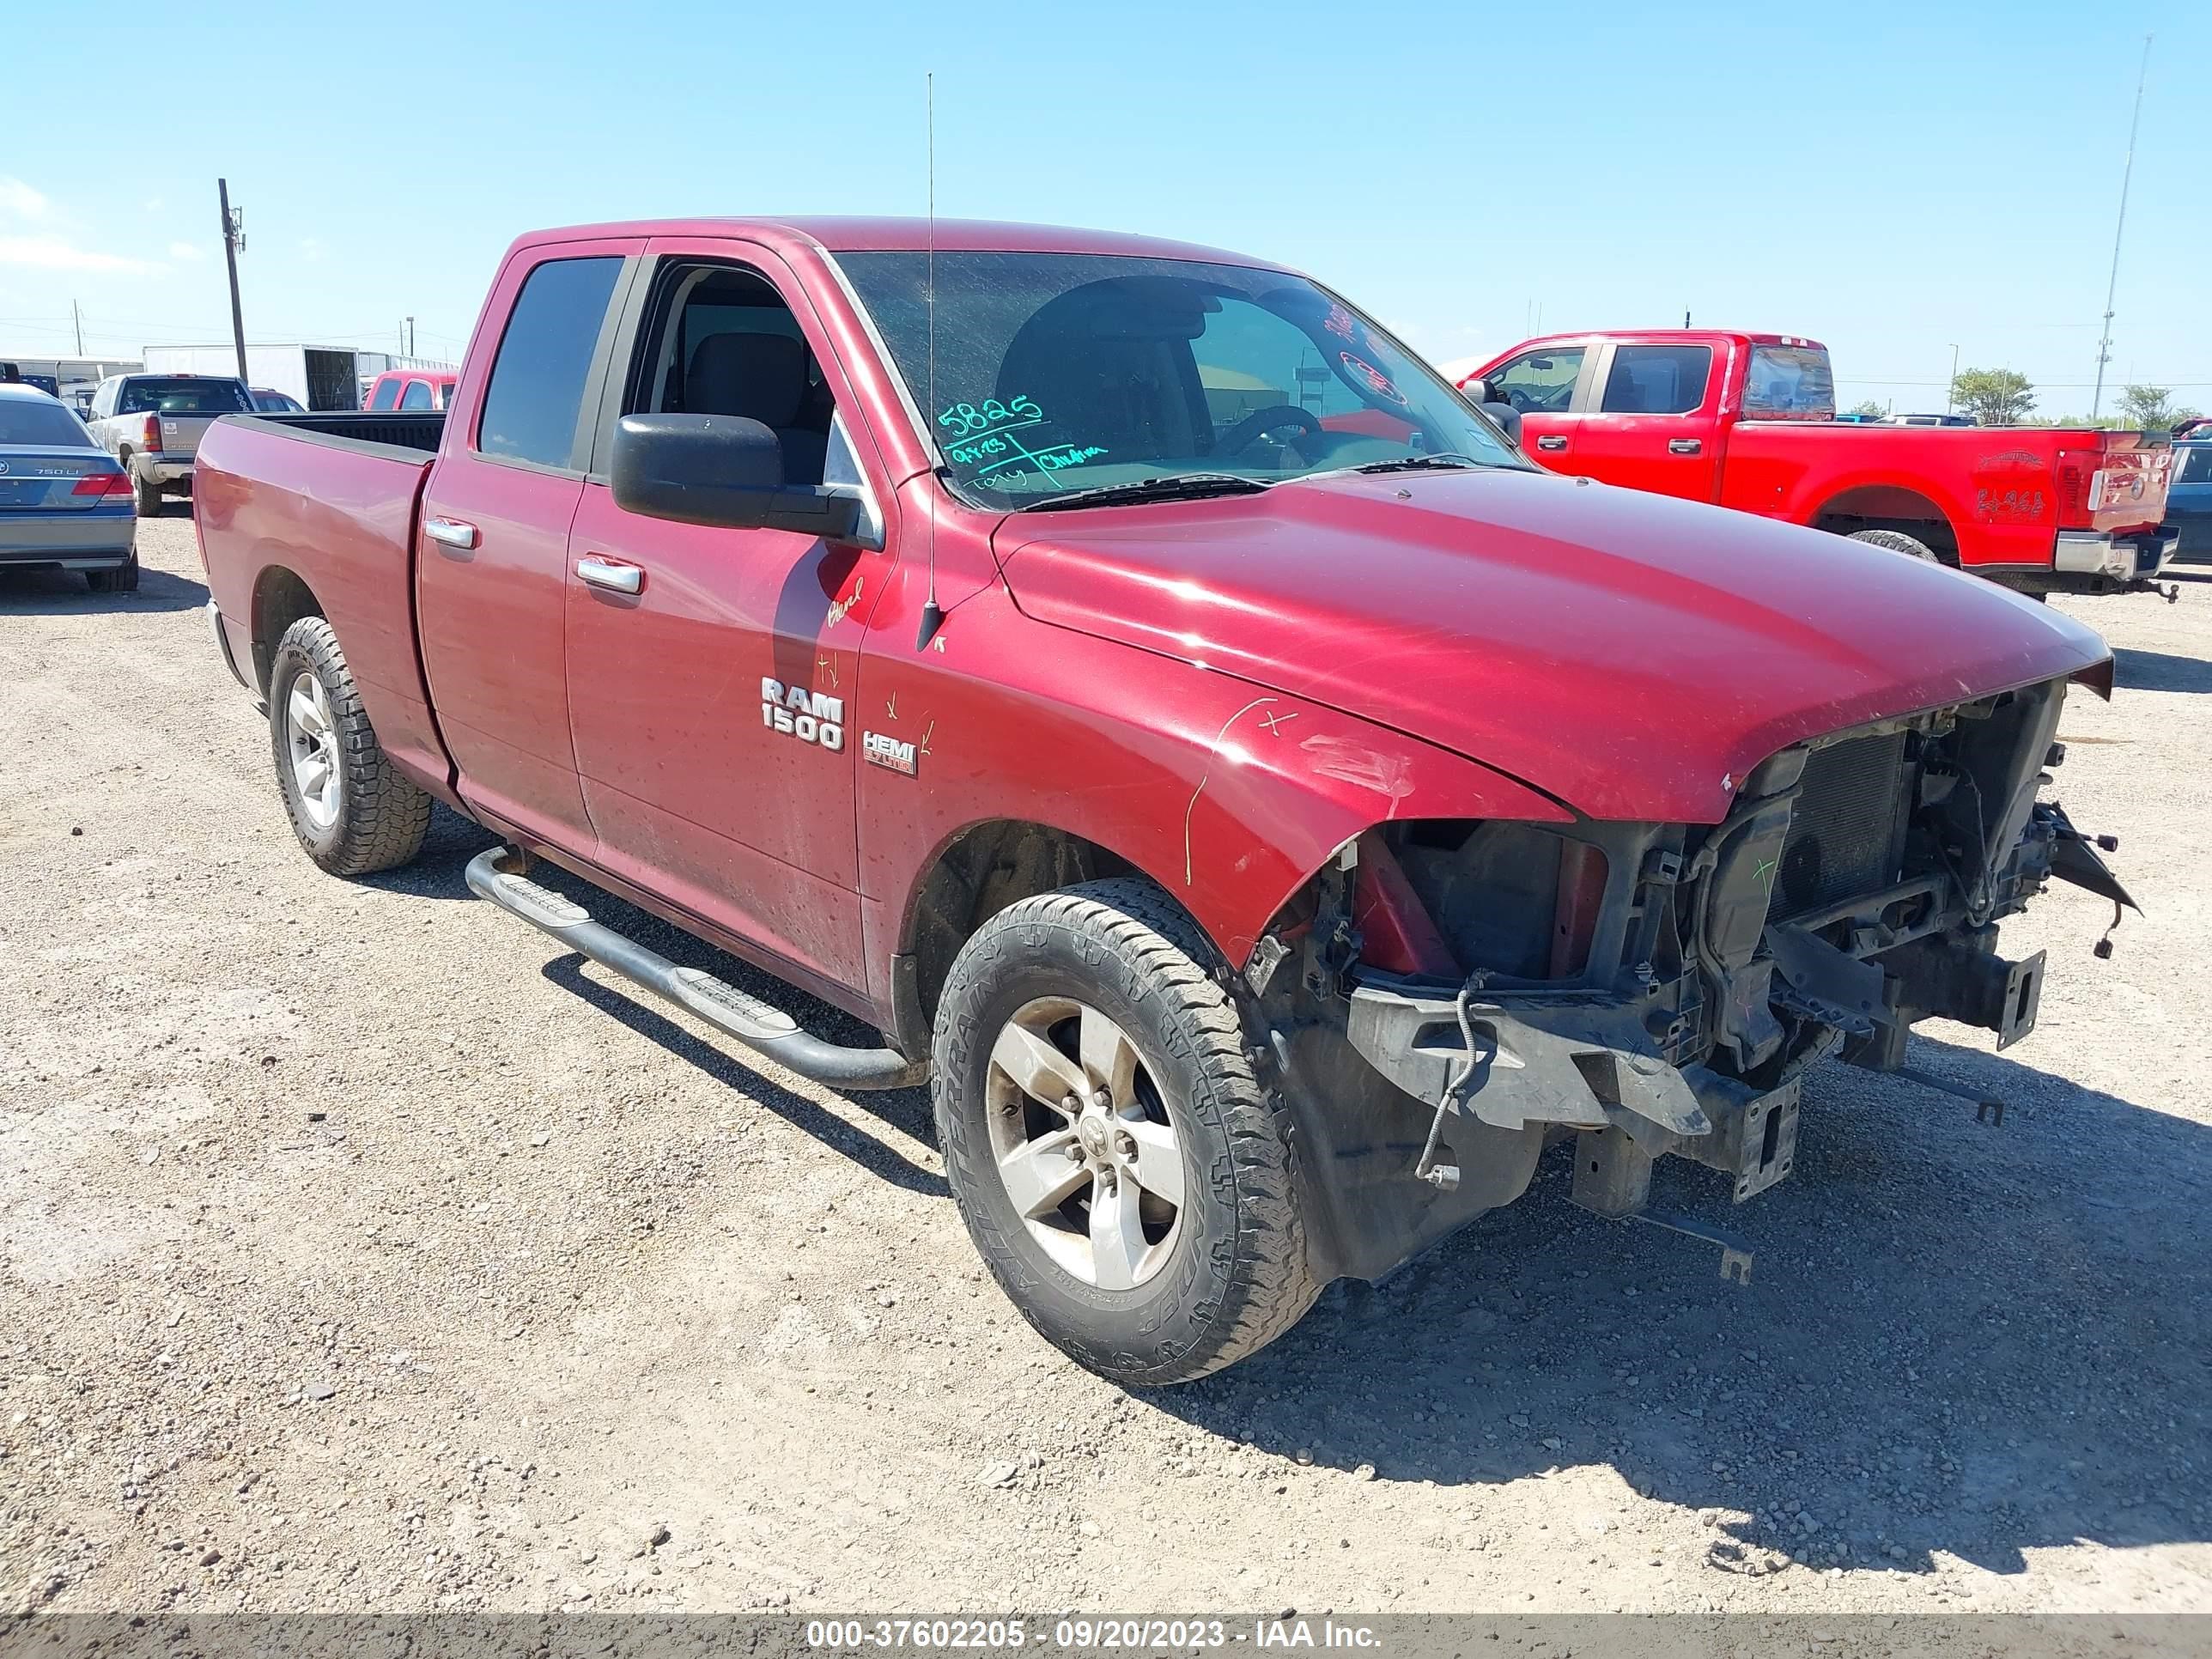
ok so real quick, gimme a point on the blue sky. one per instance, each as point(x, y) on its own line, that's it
point(1889, 179)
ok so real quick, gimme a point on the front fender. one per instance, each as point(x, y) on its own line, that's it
point(1227, 795)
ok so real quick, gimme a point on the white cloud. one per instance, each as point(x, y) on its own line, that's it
point(311, 249)
point(153, 205)
point(55, 253)
point(183, 251)
point(20, 200)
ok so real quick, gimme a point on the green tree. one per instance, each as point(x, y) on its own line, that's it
point(1994, 397)
point(1871, 409)
point(2151, 407)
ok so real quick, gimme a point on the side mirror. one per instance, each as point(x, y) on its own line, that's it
point(1476, 391)
point(718, 470)
point(1506, 417)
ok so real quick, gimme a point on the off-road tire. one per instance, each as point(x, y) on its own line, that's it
point(1238, 1277)
point(148, 495)
point(1898, 541)
point(382, 816)
point(123, 578)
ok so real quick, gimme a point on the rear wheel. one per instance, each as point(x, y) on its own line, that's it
point(1124, 1171)
point(353, 812)
point(123, 578)
point(148, 493)
point(1897, 542)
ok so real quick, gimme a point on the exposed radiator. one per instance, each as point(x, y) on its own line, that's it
point(1847, 833)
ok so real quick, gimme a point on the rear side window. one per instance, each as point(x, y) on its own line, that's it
point(1789, 383)
point(2195, 464)
point(536, 389)
point(417, 395)
point(386, 395)
point(1657, 380)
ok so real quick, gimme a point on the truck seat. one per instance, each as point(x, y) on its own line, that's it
point(762, 377)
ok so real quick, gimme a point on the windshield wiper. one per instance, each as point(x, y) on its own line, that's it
point(1178, 486)
point(1443, 458)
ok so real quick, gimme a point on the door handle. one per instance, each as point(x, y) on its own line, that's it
point(451, 532)
point(610, 573)
point(1549, 441)
point(1684, 446)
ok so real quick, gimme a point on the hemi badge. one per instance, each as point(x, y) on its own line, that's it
point(888, 752)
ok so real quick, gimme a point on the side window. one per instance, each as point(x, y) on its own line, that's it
point(1657, 380)
point(417, 395)
point(103, 401)
point(722, 341)
point(537, 386)
point(386, 395)
point(1538, 382)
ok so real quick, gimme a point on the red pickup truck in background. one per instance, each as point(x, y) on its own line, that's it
point(1748, 421)
point(1266, 808)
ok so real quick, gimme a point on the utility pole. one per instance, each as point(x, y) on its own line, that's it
point(410, 336)
point(234, 238)
point(2112, 286)
point(77, 319)
point(1951, 388)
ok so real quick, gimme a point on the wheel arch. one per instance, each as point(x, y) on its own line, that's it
point(976, 871)
point(281, 597)
point(1884, 505)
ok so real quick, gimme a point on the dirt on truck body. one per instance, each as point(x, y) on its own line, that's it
point(1266, 807)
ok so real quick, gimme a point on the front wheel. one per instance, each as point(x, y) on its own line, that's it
point(1122, 1169)
point(352, 811)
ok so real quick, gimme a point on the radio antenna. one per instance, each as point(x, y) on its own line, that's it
point(933, 613)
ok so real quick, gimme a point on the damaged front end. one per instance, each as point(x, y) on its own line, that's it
point(1451, 996)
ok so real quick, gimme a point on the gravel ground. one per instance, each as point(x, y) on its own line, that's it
point(358, 1251)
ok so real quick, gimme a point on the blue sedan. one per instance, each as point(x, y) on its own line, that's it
point(64, 500)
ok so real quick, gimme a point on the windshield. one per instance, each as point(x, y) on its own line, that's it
point(23, 422)
point(185, 395)
point(1057, 373)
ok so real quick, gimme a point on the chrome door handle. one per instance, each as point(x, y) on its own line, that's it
point(1684, 446)
point(605, 573)
point(451, 532)
point(1550, 442)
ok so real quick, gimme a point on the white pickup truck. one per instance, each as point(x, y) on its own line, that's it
point(151, 423)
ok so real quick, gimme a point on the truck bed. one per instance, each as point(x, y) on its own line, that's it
point(1998, 486)
point(332, 498)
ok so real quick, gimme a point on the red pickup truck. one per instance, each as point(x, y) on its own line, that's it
point(1749, 420)
point(1265, 808)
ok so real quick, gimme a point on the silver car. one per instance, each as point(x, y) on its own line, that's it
point(64, 501)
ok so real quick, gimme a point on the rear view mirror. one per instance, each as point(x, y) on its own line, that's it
point(718, 470)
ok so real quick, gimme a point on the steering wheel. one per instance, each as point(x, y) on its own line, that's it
point(1239, 437)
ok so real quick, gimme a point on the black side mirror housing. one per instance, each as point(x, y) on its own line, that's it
point(719, 469)
point(1506, 417)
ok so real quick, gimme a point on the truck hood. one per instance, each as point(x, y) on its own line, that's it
point(1631, 655)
